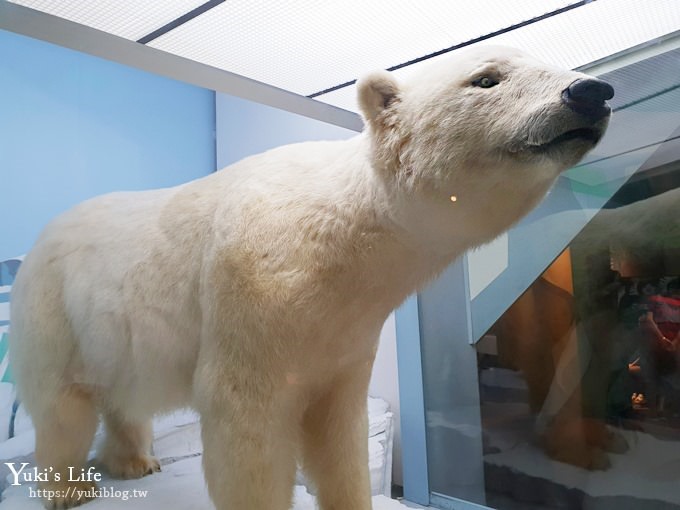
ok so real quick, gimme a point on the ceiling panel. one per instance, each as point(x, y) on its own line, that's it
point(131, 19)
point(310, 45)
point(307, 46)
point(571, 39)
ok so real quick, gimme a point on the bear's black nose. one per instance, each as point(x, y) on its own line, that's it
point(590, 90)
point(587, 96)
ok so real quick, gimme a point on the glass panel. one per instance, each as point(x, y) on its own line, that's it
point(646, 109)
point(580, 378)
point(453, 426)
point(574, 399)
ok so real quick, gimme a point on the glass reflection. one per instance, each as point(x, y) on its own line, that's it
point(580, 378)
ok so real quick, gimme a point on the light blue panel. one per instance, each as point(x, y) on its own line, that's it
point(244, 128)
point(411, 395)
point(73, 126)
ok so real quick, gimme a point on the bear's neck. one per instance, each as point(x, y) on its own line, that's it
point(384, 242)
point(409, 236)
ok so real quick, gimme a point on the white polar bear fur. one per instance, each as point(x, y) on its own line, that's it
point(257, 294)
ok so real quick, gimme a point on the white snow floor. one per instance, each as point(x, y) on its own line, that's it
point(179, 486)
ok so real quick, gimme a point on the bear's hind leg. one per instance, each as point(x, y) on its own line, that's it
point(64, 433)
point(335, 444)
point(126, 451)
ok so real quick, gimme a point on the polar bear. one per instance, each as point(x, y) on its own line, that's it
point(257, 294)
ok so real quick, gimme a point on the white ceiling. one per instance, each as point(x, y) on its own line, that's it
point(131, 19)
point(307, 46)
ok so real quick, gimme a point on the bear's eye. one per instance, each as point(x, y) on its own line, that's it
point(485, 82)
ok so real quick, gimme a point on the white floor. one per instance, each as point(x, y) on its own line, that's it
point(179, 486)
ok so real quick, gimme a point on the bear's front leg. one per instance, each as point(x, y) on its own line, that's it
point(248, 444)
point(335, 442)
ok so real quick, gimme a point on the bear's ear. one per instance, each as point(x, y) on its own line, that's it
point(376, 92)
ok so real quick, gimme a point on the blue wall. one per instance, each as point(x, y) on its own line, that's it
point(73, 126)
point(244, 128)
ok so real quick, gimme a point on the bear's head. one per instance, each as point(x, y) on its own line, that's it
point(484, 134)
